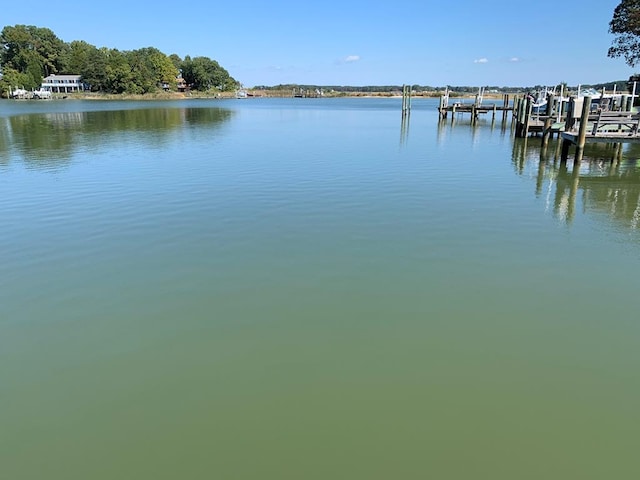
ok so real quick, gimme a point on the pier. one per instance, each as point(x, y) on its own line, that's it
point(576, 120)
point(602, 126)
point(475, 108)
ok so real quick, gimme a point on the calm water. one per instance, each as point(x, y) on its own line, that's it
point(311, 289)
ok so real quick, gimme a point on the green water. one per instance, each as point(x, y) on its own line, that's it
point(311, 289)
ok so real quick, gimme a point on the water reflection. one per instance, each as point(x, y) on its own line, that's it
point(53, 138)
point(404, 129)
point(606, 180)
point(486, 123)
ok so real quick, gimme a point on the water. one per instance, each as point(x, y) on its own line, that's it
point(311, 288)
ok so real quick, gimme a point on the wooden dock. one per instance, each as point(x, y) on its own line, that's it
point(621, 126)
point(575, 119)
point(475, 108)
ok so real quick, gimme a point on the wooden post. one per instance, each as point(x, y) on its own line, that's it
point(518, 110)
point(546, 132)
point(473, 114)
point(518, 117)
point(505, 107)
point(527, 116)
point(550, 104)
point(582, 131)
point(569, 121)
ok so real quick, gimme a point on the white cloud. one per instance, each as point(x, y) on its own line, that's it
point(351, 58)
point(514, 59)
point(481, 60)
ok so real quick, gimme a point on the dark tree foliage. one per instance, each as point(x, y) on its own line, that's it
point(202, 73)
point(625, 25)
point(32, 51)
point(28, 53)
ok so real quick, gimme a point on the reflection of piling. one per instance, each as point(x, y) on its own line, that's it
point(546, 132)
point(404, 129)
point(406, 99)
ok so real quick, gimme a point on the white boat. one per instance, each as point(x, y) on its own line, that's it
point(241, 93)
point(20, 93)
point(41, 94)
point(601, 100)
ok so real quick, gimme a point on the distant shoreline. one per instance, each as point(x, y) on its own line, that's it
point(251, 94)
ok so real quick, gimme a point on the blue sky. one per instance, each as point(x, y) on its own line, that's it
point(466, 42)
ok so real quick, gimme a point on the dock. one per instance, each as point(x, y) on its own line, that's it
point(576, 120)
point(604, 126)
point(474, 108)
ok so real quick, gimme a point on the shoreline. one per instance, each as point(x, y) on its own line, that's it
point(252, 94)
point(258, 93)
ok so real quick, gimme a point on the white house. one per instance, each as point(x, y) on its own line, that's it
point(63, 84)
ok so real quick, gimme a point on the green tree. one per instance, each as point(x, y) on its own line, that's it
point(150, 70)
point(202, 73)
point(625, 25)
point(176, 60)
point(28, 53)
point(77, 57)
point(118, 76)
point(31, 50)
point(94, 72)
point(12, 79)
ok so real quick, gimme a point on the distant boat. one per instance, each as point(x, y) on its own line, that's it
point(241, 94)
point(41, 94)
point(20, 93)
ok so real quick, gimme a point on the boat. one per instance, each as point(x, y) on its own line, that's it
point(241, 93)
point(539, 101)
point(19, 93)
point(41, 94)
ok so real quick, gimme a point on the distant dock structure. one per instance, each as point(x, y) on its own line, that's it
point(475, 108)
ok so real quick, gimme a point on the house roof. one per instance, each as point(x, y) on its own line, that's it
point(63, 77)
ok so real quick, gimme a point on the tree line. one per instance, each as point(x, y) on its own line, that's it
point(29, 53)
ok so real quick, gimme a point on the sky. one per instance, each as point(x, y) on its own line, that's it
point(358, 43)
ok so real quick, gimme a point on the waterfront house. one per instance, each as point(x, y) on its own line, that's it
point(63, 84)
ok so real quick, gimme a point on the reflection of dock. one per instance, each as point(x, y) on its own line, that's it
point(603, 181)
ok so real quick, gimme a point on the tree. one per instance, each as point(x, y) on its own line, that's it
point(118, 77)
point(625, 24)
point(202, 73)
point(12, 79)
point(94, 72)
point(29, 53)
point(77, 56)
point(31, 50)
point(176, 60)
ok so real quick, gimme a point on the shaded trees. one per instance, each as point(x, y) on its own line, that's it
point(625, 25)
point(33, 51)
point(202, 73)
point(29, 53)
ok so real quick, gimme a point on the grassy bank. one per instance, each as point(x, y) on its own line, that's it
point(251, 92)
